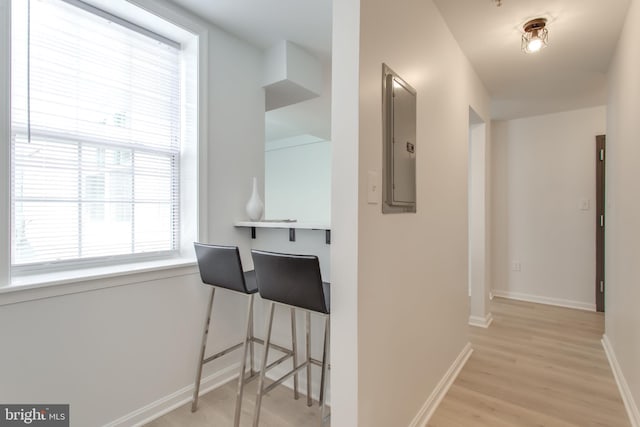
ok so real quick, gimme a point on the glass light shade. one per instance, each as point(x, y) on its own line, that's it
point(533, 41)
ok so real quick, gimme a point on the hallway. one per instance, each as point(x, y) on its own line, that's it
point(536, 365)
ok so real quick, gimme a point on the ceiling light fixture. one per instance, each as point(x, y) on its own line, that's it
point(535, 35)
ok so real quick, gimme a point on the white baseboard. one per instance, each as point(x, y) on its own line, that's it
point(429, 407)
point(168, 403)
point(481, 322)
point(627, 397)
point(544, 300)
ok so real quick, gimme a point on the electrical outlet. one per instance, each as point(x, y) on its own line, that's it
point(516, 266)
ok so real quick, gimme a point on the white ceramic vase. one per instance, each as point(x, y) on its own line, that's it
point(255, 207)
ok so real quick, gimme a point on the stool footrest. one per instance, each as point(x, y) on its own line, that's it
point(239, 345)
point(275, 346)
point(316, 362)
point(284, 377)
point(222, 353)
point(278, 361)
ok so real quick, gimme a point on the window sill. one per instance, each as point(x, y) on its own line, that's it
point(33, 287)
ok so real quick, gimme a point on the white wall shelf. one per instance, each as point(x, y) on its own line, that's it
point(291, 225)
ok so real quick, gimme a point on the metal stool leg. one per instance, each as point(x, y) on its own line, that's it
point(209, 314)
point(294, 348)
point(252, 370)
point(325, 368)
point(324, 361)
point(243, 364)
point(265, 353)
point(308, 322)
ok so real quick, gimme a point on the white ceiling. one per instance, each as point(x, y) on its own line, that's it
point(569, 74)
point(263, 23)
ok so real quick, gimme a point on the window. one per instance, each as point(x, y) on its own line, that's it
point(96, 134)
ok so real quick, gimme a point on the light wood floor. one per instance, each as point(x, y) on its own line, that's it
point(216, 409)
point(535, 366)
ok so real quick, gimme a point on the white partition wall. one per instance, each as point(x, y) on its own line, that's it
point(401, 313)
point(622, 247)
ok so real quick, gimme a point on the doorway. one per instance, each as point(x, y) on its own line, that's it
point(479, 314)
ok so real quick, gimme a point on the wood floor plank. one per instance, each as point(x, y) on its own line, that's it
point(536, 365)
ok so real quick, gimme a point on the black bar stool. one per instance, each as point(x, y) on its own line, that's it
point(221, 267)
point(294, 281)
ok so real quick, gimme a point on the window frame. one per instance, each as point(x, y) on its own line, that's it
point(147, 14)
point(5, 141)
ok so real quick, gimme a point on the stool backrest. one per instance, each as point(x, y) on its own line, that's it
point(290, 279)
point(221, 266)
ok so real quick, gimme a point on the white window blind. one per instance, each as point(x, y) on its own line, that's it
point(96, 113)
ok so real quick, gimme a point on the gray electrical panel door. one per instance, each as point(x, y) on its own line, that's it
point(399, 127)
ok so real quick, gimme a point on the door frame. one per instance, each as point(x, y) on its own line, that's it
point(600, 220)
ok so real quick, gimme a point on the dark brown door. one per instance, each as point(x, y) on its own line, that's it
point(600, 220)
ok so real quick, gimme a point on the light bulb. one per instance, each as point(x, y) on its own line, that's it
point(534, 45)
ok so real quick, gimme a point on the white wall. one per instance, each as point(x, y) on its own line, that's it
point(298, 181)
point(408, 271)
point(622, 270)
point(543, 170)
point(344, 213)
point(112, 351)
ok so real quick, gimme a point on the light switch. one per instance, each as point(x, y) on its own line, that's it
point(585, 204)
point(373, 190)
